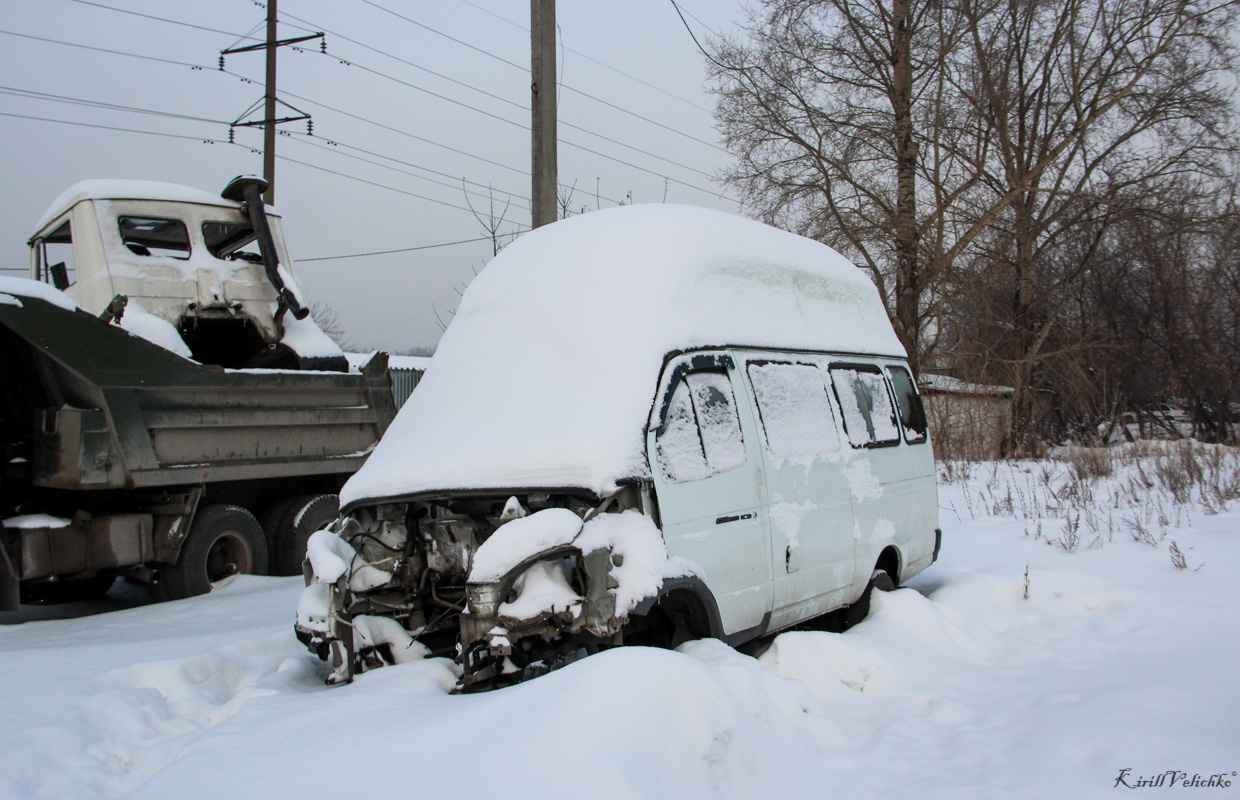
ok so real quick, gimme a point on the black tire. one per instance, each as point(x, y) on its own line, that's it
point(879, 581)
point(272, 518)
point(224, 540)
point(49, 594)
point(306, 515)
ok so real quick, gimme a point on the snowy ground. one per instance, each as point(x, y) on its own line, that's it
point(974, 681)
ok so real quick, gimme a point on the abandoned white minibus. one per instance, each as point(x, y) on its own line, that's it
point(644, 425)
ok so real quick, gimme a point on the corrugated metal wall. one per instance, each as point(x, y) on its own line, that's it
point(403, 383)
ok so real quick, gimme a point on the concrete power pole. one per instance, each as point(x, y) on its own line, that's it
point(543, 125)
point(269, 109)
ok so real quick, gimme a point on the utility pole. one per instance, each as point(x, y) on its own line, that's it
point(269, 120)
point(269, 109)
point(543, 125)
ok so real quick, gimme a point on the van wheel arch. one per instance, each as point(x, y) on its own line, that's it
point(685, 609)
point(889, 562)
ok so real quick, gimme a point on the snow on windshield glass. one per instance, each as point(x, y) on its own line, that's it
point(547, 374)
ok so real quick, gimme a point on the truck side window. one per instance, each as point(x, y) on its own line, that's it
point(912, 414)
point(147, 236)
point(702, 436)
point(57, 258)
point(869, 415)
point(795, 411)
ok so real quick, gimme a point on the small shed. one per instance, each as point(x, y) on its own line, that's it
point(967, 420)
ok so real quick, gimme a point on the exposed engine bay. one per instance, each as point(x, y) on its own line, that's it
point(510, 586)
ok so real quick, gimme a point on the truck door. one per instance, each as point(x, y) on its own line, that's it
point(708, 481)
point(808, 505)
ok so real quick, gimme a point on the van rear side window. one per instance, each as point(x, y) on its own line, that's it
point(702, 436)
point(795, 411)
point(912, 414)
point(869, 415)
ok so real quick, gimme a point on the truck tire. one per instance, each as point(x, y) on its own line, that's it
point(224, 540)
point(305, 516)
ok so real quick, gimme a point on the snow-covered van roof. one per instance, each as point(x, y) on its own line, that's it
point(546, 375)
point(110, 189)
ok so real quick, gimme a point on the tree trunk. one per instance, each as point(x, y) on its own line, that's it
point(908, 313)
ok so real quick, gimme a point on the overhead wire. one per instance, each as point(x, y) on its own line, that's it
point(398, 250)
point(333, 109)
point(165, 19)
point(105, 50)
point(591, 59)
point(203, 139)
point(567, 87)
point(57, 98)
point(484, 92)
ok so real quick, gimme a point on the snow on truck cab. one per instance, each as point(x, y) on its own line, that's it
point(214, 267)
point(644, 425)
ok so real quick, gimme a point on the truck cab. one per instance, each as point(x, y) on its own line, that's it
point(190, 258)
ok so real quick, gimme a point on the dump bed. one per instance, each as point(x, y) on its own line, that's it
point(88, 406)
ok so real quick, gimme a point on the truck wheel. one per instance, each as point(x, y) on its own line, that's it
point(305, 516)
point(880, 581)
point(224, 540)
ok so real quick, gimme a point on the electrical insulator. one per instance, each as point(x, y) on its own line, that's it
point(231, 134)
point(309, 127)
point(221, 62)
point(323, 45)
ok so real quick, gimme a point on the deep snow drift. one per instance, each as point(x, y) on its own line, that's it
point(1012, 668)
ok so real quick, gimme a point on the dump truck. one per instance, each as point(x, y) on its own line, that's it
point(168, 411)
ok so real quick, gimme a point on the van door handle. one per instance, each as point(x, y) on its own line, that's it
point(734, 518)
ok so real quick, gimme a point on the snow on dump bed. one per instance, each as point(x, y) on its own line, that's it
point(546, 375)
point(25, 287)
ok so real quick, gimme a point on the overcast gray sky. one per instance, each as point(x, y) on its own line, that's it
point(620, 61)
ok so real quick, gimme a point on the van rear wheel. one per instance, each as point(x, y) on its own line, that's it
point(880, 581)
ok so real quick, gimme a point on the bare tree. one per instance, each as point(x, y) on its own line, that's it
point(1091, 105)
point(325, 316)
point(839, 118)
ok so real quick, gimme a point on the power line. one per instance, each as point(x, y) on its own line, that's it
point(164, 19)
point(77, 101)
point(104, 50)
point(400, 250)
point(370, 183)
point(591, 59)
point(474, 88)
point(562, 85)
point(204, 140)
point(330, 145)
point(483, 92)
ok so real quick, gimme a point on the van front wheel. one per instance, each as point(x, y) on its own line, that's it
point(880, 581)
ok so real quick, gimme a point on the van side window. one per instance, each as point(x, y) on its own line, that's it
point(912, 414)
point(869, 415)
point(147, 236)
point(795, 411)
point(702, 436)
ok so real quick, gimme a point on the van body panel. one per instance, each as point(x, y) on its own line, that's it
point(808, 509)
point(718, 521)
